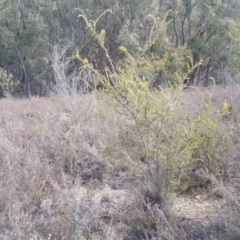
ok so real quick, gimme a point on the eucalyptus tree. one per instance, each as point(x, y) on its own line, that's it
point(24, 43)
point(208, 29)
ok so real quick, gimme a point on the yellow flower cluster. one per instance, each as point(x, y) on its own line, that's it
point(165, 57)
point(225, 106)
point(77, 56)
point(85, 61)
point(123, 49)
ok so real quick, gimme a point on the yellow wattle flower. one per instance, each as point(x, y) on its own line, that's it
point(225, 106)
point(85, 61)
point(123, 49)
point(77, 56)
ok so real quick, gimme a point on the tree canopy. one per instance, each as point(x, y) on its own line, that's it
point(194, 30)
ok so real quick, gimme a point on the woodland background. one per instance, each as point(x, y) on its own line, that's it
point(35, 32)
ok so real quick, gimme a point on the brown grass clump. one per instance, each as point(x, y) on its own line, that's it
point(67, 172)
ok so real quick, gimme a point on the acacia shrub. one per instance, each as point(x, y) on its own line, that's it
point(156, 133)
point(163, 142)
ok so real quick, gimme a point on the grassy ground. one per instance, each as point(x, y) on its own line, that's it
point(58, 182)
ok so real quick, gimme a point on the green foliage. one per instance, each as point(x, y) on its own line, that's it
point(24, 45)
point(6, 82)
point(206, 29)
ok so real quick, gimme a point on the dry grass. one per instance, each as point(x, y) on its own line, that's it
point(57, 182)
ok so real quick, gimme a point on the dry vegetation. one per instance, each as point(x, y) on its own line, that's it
point(63, 177)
